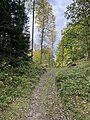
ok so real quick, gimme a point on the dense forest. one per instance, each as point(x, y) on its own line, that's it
point(73, 82)
point(14, 34)
point(19, 70)
point(23, 61)
point(75, 43)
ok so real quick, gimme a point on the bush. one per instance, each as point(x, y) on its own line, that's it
point(17, 82)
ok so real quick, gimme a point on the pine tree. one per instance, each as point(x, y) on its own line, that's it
point(14, 34)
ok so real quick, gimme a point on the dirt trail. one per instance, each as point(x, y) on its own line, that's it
point(45, 104)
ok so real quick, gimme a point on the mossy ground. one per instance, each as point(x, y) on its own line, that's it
point(73, 84)
point(61, 94)
point(16, 85)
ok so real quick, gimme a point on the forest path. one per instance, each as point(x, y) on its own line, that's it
point(45, 104)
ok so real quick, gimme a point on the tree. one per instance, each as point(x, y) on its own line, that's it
point(43, 17)
point(79, 13)
point(52, 34)
point(33, 17)
point(14, 32)
point(71, 47)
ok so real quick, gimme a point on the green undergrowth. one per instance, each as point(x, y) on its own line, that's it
point(16, 85)
point(73, 84)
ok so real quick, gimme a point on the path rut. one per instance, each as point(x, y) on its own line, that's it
point(45, 104)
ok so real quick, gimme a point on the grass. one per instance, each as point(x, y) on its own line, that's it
point(73, 84)
point(16, 85)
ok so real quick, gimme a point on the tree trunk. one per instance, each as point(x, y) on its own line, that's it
point(33, 28)
point(52, 54)
point(42, 41)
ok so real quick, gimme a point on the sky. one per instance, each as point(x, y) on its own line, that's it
point(59, 7)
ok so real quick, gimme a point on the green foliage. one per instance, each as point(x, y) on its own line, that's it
point(14, 34)
point(46, 26)
point(17, 83)
point(78, 12)
point(73, 46)
point(75, 43)
point(46, 56)
point(74, 85)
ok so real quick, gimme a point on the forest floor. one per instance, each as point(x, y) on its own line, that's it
point(50, 98)
point(45, 104)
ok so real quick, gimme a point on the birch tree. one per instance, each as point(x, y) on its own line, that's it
point(43, 13)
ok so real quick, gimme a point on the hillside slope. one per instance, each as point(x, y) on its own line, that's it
point(73, 84)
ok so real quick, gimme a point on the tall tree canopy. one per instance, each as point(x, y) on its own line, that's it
point(75, 43)
point(45, 22)
point(79, 13)
point(14, 35)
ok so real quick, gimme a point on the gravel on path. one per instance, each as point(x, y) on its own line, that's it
point(45, 104)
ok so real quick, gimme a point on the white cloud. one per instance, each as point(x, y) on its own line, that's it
point(59, 7)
